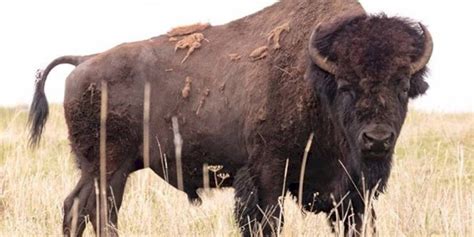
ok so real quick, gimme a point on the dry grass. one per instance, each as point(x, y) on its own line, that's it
point(430, 193)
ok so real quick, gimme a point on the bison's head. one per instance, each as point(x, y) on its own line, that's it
point(367, 69)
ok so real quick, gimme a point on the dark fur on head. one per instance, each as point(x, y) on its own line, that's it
point(375, 48)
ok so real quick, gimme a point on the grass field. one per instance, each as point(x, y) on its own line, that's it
point(430, 192)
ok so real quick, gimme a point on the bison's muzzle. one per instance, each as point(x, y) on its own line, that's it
point(377, 140)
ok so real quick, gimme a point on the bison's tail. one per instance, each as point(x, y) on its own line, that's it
point(39, 106)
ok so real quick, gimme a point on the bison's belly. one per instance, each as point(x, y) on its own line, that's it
point(214, 145)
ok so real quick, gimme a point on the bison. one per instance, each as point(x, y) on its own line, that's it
point(247, 95)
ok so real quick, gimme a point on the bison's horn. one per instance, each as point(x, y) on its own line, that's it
point(428, 50)
point(322, 62)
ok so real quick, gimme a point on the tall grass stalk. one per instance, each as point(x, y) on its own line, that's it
point(178, 144)
point(103, 160)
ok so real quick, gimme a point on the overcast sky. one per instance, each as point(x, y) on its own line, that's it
point(33, 33)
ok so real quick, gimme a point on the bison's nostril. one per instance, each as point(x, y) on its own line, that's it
point(388, 141)
point(367, 140)
point(366, 137)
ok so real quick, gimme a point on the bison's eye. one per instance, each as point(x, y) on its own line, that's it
point(402, 85)
point(347, 91)
point(343, 84)
point(345, 88)
point(404, 92)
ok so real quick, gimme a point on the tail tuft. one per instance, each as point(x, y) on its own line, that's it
point(39, 111)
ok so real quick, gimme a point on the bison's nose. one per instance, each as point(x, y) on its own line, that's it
point(378, 139)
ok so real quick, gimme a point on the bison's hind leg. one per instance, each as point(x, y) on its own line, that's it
point(85, 194)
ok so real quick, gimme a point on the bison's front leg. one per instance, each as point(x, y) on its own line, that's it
point(258, 188)
point(352, 212)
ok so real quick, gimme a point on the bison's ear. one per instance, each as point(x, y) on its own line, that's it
point(418, 69)
point(418, 85)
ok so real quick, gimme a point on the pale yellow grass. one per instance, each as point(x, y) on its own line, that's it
point(430, 192)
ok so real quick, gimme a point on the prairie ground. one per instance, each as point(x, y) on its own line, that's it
point(430, 191)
